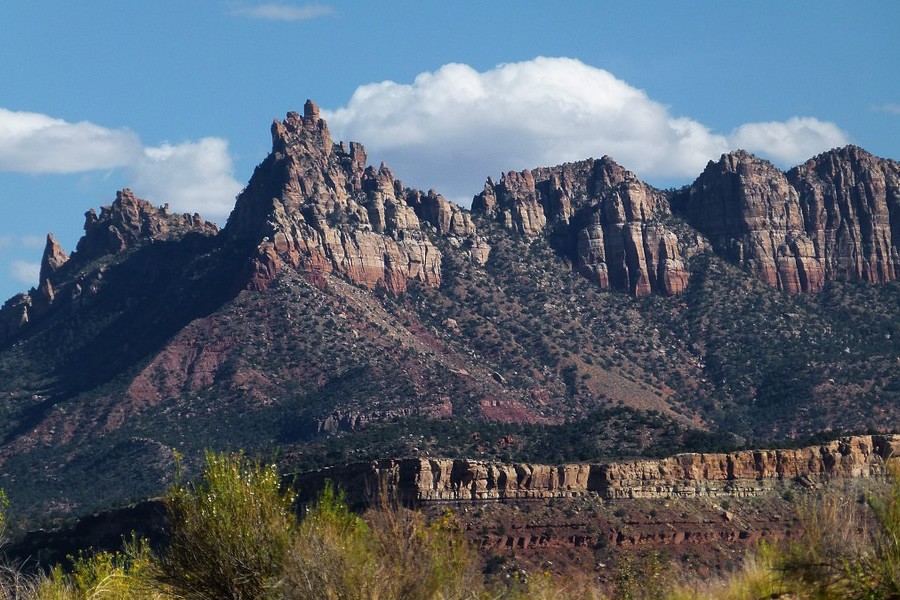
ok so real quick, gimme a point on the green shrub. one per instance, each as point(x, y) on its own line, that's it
point(331, 556)
point(422, 559)
point(758, 578)
point(882, 564)
point(393, 554)
point(229, 533)
point(101, 576)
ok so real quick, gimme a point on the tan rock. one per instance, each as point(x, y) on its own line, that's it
point(738, 474)
point(826, 219)
point(327, 212)
point(616, 223)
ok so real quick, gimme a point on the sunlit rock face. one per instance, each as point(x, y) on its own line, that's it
point(614, 225)
point(837, 216)
point(316, 206)
point(735, 474)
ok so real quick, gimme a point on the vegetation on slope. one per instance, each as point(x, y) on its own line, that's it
point(520, 359)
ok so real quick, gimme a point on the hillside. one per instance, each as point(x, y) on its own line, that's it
point(574, 314)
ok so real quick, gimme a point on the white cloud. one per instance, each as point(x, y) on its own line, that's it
point(788, 142)
point(24, 271)
point(191, 177)
point(282, 12)
point(889, 108)
point(451, 128)
point(36, 143)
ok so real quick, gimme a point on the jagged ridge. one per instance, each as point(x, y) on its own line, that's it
point(836, 217)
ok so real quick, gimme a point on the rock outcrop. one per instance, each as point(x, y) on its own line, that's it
point(835, 217)
point(850, 201)
point(614, 225)
point(314, 205)
point(53, 259)
point(736, 474)
point(128, 222)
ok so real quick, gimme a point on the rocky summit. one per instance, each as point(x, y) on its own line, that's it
point(574, 315)
point(318, 207)
point(833, 218)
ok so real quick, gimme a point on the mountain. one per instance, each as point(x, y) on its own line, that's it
point(574, 314)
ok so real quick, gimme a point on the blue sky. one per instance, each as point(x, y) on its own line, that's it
point(174, 98)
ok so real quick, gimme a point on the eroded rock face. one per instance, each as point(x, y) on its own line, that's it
point(314, 205)
point(127, 223)
point(835, 217)
point(613, 224)
point(851, 207)
point(736, 474)
point(53, 259)
point(14, 315)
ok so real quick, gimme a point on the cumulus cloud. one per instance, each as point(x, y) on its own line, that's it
point(450, 128)
point(282, 12)
point(25, 272)
point(788, 142)
point(190, 176)
point(35, 143)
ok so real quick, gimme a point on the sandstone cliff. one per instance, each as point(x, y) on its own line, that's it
point(835, 217)
point(851, 207)
point(614, 225)
point(314, 205)
point(736, 474)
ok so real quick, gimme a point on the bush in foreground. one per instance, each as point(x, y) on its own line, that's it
point(229, 532)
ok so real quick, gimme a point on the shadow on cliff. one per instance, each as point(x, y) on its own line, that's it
point(90, 341)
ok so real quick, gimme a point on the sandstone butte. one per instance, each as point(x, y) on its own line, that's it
point(693, 475)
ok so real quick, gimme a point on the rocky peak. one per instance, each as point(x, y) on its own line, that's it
point(130, 221)
point(851, 206)
point(302, 135)
point(54, 257)
point(316, 206)
point(602, 214)
point(127, 223)
point(829, 218)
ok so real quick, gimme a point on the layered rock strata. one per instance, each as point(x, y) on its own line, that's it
point(613, 224)
point(837, 216)
point(735, 474)
point(316, 206)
